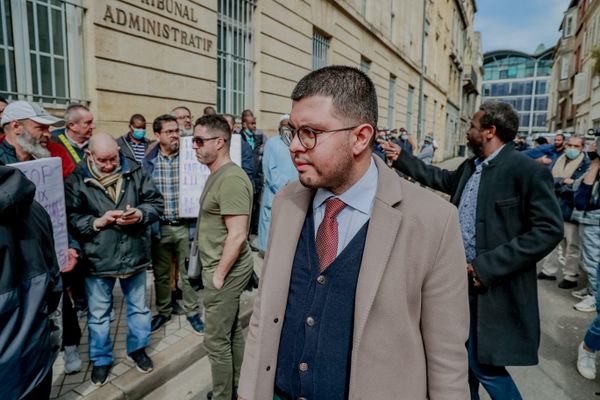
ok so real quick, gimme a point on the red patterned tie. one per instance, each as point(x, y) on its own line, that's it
point(327, 234)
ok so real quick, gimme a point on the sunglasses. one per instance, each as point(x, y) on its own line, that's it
point(199, 141)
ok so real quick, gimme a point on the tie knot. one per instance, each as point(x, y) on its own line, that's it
point(333, 207)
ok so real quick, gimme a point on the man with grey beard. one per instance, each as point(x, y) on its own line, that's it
point(183, 115)
point(27, 134)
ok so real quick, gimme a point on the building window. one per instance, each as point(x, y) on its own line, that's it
point(391, 100)
point(568, 26)
point(235, 62)
point(409, 108)
point(8, 80)
point(365, 65)
point(320, 47)
point(564, 67)
point(40, 52)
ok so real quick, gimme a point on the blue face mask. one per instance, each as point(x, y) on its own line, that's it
point(572, 153)
point(138, 134)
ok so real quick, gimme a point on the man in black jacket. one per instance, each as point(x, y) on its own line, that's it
point(111, 202)
point(510, 219)
point(30, 291)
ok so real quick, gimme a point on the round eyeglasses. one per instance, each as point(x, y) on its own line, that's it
point(306, 135)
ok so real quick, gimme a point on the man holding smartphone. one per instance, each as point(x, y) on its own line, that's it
point(111, 201)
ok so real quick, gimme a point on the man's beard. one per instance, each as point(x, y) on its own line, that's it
point(186, 132)
point(32, 146)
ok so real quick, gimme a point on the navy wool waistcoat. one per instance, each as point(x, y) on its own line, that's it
point(316, 338)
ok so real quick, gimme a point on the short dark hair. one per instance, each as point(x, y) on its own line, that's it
point(216, 124)
point(352, 91)
point(541, 140)
point(560, 134)
point(3, 100)
point(137, 117)
point(503, 117)
point(160, 120)
point(245, 113)
point(208, 109)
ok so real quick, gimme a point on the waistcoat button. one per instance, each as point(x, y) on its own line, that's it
point(303, 367)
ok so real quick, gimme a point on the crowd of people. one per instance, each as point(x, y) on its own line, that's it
point(124, 219)
point(371, 286)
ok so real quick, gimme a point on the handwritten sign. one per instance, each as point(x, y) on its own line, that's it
point(193, 175)
point(46, 174)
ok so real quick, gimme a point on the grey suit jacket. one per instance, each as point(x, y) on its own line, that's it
point(411, 308)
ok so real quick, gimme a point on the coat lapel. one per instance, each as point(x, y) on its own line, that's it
point(381, 236)
point(286, 233)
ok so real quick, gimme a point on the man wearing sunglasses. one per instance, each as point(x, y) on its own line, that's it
point(224, 252)
point(363, 292)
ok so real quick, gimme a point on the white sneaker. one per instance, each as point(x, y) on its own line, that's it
point(72, 360)
point(588, 304)
point(586, 362)
point(581, 293)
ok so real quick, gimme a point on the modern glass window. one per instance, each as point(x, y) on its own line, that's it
point(540, 119)
point(541, 87)
point(409, 108)
point(391, 100)
point(524, 120)
point(541, 104)
point(320, 48)
point(235, 63)
point(40, 50)
point(365, 65)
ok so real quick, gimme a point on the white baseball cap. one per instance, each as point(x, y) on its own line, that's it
point(19, 110)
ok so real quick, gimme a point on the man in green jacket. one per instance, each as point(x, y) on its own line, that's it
point(111, 202)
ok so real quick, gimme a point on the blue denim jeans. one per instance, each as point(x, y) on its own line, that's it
point(590, 252)
point(100, 302)
point(495, 379)
point(592, 336)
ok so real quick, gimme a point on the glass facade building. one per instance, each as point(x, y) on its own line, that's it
point(521, 80)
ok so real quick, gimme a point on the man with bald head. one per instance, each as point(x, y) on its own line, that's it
point(110, 204)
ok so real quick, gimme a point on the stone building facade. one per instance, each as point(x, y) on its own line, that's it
point(147, 56)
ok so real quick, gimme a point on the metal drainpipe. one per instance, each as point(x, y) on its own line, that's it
point(421, 78)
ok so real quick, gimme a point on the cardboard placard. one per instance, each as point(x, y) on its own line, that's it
point(46, 174)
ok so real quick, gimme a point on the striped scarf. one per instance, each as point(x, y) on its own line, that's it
point(111, 182)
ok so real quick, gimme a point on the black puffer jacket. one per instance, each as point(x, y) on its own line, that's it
point(115, 250)
point(30, 287)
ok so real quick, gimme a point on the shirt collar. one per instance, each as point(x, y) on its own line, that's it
point(359, 196)
point(490, 157)
point(74, 143)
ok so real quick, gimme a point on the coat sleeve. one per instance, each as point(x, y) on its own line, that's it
point(151, 200)
point(78, 218)
point(434, 177)
point(445, 317)
point(544, 229)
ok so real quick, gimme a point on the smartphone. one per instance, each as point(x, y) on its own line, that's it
point(128, 213)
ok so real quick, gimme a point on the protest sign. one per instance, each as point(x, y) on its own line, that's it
point(46, 174)
point(193, 175)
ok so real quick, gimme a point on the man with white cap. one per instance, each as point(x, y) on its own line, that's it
point(278, 170)
point(28, 138)
point(27, 132)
